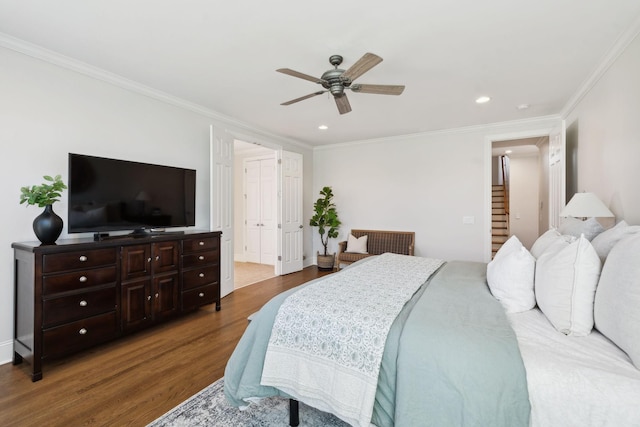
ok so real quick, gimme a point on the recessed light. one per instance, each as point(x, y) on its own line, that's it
point(523, 106)
point(323, 127)
point(508, 151)
point(483, 99)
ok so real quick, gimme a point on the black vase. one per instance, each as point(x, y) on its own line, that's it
point(47, 226)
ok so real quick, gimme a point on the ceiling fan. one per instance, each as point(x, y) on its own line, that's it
point(336, 81)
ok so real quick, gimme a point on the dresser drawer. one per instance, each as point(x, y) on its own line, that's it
point(200, 259)
point(78, 306)
point(203, 295)
point(199, 277)
point(52, 263)
point(78, 280)
point(204, 244)
point(75, 336)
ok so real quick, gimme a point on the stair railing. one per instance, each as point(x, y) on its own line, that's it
point(505, 182)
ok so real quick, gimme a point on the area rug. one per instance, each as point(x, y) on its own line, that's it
point(209, 407)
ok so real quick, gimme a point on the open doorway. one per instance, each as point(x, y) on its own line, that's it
point(519, 190)
point(255, 213)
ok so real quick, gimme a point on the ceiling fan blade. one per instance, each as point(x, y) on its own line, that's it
point(378, 89)
point(343, 103)
point(364, 64)
point(302, 98)
point(299, 75)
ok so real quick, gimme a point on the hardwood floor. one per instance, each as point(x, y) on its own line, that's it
point(247, 273)
point(136, 379)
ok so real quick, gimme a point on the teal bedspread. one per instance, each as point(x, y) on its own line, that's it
point(451, 358)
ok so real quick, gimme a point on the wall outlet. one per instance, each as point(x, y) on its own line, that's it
point(468, 219)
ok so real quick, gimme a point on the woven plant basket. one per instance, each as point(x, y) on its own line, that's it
point(325, 262)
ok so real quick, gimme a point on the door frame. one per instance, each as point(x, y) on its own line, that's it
point(488, 142)
point(218, 133)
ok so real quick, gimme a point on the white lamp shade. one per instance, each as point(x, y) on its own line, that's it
point(585, 205)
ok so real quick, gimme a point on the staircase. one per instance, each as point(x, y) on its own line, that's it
point(499, 218)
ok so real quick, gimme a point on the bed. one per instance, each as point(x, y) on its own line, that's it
point(458, 353)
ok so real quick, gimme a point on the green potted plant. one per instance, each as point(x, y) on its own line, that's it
point(47, 226)
point(325, 217)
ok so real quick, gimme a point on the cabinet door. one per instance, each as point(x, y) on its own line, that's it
point(165, 256)
point(136, 304)
point(165, 298)
point(136, 261)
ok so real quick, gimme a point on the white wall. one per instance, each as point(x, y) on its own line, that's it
point(47, 111)
point(424, 183)
point(523, 198)
point(608, 120)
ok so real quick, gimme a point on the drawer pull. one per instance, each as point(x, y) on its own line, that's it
point(201, 294)
point(83, 303)
point(149, 259)
point(157, 257)
point(83, 258)
point(82, 331)
point(201, 258)
point(83, 279)
point(201, 243)
point(149, 298)
point(157, 295)
point(201, 275)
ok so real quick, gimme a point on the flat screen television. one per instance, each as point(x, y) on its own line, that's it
point(110, 195)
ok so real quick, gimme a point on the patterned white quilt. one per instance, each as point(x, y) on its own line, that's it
point(328, 338)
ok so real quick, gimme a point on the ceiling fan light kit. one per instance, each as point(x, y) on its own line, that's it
point(336, 81)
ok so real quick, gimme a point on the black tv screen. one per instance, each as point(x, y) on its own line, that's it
point(109, 195)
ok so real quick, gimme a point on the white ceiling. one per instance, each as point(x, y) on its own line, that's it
point(223, 55)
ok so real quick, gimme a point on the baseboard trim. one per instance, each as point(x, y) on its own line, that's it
point(6, 352)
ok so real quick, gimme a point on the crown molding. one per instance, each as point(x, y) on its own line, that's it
point(49, 56)
point(540, 122)
point(621, 44)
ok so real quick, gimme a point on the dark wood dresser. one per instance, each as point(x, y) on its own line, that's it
point(79, 293)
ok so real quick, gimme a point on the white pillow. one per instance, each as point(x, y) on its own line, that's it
point(357, 245)
point(576, 227)
point(510, 276)
point(604, 241)
point(565, 284)
point(546, 240)
point(617, 304)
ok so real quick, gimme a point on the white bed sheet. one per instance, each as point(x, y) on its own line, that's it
point(575, 381)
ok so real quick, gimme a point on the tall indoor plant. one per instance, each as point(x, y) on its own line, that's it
point(325, 217)
point(47, 226)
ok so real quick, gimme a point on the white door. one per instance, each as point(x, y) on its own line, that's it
point(260, 210)
point(557, 188)
point(268, 211)
point(290, 213)
point(252, 211)
point(221, 208)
